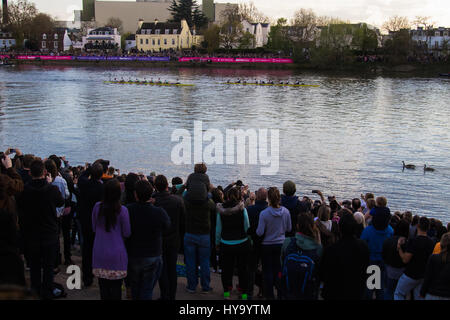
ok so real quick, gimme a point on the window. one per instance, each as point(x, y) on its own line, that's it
point(436, 44)
point(165, 41)
point(167, 31)
point(146, 41)
point(44, 36)
point(143, 31)
point(44, 44)
point(445, 33)
point(175, 31)
point(153, 41)
point(173, 42)
point(55, 44)
point(142, 41)
point(157, 31)
point(159, 42)
point(55, 36)
point(437, 34)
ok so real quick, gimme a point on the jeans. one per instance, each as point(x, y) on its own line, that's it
point(379, 293)
point(197, 248)
point(144, 273)
point(42, 261)
point(432, 297)
point(271, 265)
point(405, 285)
point(232, 255)
point(110, 289)
point(168, 279)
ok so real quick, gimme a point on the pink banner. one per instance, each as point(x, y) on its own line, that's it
point(44, 57)
point(236, 60)
point(3, 56)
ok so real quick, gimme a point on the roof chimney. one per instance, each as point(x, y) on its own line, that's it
point(5, 12)
point(156, 21)
point(140, 23)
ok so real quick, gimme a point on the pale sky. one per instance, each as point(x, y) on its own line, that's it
point(374, 12)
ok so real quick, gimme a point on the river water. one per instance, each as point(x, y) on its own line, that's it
point(346, 137)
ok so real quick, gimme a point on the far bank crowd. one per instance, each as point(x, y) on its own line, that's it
point(132, 228)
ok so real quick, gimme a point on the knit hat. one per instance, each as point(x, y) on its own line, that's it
point(289, 188)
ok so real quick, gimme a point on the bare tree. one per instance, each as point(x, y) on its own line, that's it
point(249, 12)
point(396, 23)
point(231, 27)
point(427, 24)
point(115, 22)
point(21, 13)
point(85, 25)
point(304, 25)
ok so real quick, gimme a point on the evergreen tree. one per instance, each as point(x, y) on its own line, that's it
point(188, 10)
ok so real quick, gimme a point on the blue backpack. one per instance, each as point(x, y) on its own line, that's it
point(298, 281)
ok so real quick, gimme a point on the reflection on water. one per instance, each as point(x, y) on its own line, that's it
point(346, 137)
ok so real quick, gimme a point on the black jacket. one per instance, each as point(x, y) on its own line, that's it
point(147, 226)
point(37, 211)
point(174, 207)
point(343, 269)
point(437, 277)
point(91, 192)
point(253, 217)
point(390, 253)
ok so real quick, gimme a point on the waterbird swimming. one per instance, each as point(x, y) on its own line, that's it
point(408, 166)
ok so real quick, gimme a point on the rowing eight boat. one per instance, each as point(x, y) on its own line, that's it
point(274, 85)
point(151, 84)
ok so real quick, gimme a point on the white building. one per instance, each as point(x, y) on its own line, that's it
point(130, 42)
point(6, 40)
point(435, 39)
point(259, 30)
point(105, 37)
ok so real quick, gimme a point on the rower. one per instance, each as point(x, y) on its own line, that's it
point(263, 82)
point(238, 80)
point(151, 80)
point(281, 82)
point(297, 82)
point(271, 82)
point(159, 80)
point(228, 81)
point(178, 81)
point(245, 82)
point(256, 81)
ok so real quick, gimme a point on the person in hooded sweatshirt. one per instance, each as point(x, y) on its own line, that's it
point(231, 235)
point(273, 224)
point(307, 240)
point(375, 235)
point(292, 203)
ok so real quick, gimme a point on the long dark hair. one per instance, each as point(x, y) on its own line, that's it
point(445, 247)
point(110, 206)
point(306, 226)
point(130, 183)
point(234, 196)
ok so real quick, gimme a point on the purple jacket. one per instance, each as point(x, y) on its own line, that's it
point(109, 247)
point(273, 224)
